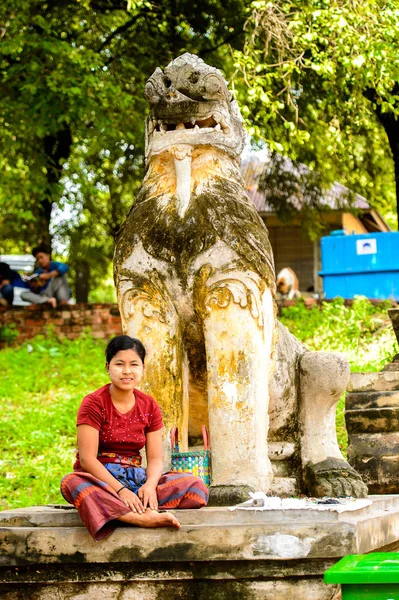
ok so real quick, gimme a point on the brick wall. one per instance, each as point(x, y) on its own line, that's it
point(67, 321)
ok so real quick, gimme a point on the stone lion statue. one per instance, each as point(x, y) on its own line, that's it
point(195, 278)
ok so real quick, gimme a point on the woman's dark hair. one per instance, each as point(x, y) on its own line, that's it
point(124, 342)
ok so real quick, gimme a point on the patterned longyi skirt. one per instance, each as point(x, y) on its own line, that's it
point(99, 506)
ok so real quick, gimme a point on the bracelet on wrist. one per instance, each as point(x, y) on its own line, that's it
point(120, 489)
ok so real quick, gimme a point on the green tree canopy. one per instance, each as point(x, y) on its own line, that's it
point(72, 108)
point(72, 77)
point(323, 80)
point(318, 81)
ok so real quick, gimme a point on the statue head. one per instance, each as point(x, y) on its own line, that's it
point(192, 105)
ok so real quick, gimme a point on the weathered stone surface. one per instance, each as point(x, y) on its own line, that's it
point(205, 543)
point(325, 472)
point(281, 450)
point(372, 420)
point(285, 487)
point(363, 446)
point(217, 554)
point(228, 495)
point(370, 382)
point(176, 590)
point(381, 474)
point(208, 534)
point(282, 468)
point(393, 366)
point(372, 399)
point(334, 477)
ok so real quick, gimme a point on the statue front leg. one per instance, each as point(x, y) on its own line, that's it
point(238, 319)
point(148, 314)
point(323, 378)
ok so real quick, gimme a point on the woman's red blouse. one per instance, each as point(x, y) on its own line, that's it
point(121, 434)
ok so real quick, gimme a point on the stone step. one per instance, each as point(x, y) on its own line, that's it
point(365, 382)
point(380, 474)
point(281, 450)
point(363, 400)
point(366, 445)
point(219, 542)
point(64, 515)
point(209, 534)
point(284, 486)
point(372, 420)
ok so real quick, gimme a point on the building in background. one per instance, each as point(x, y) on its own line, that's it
point(291, 246)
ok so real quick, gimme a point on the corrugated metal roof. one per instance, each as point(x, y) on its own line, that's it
point(252, 167)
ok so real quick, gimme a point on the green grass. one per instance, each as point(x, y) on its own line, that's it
point(42, 385)
point(43, 382)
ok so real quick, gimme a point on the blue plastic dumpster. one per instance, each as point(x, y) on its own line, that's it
point(365, 264)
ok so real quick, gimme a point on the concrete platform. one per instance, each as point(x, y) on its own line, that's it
point(46, 553)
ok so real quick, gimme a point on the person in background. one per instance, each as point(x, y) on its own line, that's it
point(8, 280)
point(51, 284)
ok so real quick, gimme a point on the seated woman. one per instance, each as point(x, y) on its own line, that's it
point(114, 423)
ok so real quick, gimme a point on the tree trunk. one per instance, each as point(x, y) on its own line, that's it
point(82, 281)
point(57, 148)
point(391, 125)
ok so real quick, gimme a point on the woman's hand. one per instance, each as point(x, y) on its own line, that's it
point(148, 495)
point(131, 500)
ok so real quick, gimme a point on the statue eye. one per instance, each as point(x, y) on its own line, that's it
point(150, 92)
point(194, 77)
point(213, 84)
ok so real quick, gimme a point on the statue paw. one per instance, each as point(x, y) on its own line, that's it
point(228, 495)
point(334, 477)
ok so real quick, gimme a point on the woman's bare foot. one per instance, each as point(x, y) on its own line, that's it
point(151, 518)
point(52, 301)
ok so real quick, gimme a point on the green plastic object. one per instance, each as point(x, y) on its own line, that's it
point(372, 576)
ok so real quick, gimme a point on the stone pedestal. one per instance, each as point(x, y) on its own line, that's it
point(372, 421)
point(47, 554)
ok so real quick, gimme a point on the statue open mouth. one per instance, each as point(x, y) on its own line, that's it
point(191, 104)
point(208, 125)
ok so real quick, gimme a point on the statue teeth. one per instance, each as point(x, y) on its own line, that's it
point(196, 128)
point(217, 127)
point(180, 126)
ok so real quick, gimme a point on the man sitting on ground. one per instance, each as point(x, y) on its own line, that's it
point(51, 284)
point(8, 280)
